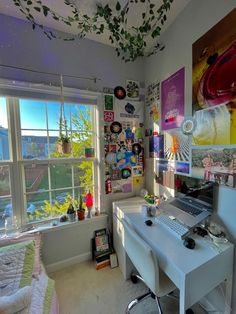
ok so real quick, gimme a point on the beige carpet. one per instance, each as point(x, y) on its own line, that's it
point(82, 289)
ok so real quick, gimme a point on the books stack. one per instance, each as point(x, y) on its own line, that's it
point(101, 249)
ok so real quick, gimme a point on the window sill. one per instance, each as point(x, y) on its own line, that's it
point(48, 227)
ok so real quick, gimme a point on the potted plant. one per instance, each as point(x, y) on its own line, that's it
point(81, 209)
point(71, 213)
point(64, 144)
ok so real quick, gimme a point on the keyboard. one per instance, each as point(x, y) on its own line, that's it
point(176, 228)
point(188, 208)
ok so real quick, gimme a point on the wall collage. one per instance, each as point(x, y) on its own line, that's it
point(202, 146)
point(123, 138)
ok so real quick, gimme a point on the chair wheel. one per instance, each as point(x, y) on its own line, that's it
point(133, 278)
point(189, 311)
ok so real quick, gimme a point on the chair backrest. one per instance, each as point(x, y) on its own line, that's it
point(142, 257)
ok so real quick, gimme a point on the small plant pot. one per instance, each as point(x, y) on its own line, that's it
point(80, 214)
point(71, 217)
point(64, 147)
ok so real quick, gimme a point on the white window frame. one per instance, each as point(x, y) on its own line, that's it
point(16, 163)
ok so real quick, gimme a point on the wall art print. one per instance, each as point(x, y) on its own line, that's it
point(172, 100)
point(215, 164)
point(177, 145)
point(129, 110)
point(132, 89)
point(182, 168)
point(214, 77)
point(108, 102)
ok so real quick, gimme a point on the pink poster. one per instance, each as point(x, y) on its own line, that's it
point(172, 101)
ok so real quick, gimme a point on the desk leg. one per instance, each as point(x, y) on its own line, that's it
point(182, 300)
point(228, 293)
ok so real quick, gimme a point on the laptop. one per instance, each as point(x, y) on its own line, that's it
point(191, 206)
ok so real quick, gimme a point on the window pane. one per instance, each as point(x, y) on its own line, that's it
point(36, 206)
point(80, 142)
point(34, 144)
point(83, 173)
point(81, 117)
point(5, 210)
point(36, 178)
point(61, 176)
point(4, 181)
point(53, 109)
point(32, 114)
point(4, 138)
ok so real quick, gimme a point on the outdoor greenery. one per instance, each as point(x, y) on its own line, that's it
point(130, 41)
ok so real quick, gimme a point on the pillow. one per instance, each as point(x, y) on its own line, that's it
point(15, 302)
point(16, 266)
point(26, 237)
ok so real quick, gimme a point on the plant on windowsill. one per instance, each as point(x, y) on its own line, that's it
point(81, 209)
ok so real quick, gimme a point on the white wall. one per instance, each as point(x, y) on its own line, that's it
point(194, 21)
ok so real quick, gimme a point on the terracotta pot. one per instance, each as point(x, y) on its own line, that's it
point(80, 214)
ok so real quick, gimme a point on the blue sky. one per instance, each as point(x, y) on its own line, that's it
point(33, 113)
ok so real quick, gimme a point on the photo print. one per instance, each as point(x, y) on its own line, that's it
point(108, 102)
point(215, 164)
point(177, 146)
point(132, 89)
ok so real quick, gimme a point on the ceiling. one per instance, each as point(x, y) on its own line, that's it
point(88, 7)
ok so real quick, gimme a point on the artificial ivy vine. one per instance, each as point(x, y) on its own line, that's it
point(130, 43)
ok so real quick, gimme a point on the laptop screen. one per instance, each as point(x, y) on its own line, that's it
point(200, 190)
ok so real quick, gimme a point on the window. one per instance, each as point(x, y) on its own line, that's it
point(38, 177)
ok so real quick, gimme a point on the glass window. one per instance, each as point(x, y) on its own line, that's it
point(56, 157)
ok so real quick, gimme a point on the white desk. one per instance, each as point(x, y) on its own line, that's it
point(195, 272)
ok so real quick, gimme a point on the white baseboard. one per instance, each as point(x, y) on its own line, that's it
point(68, 262)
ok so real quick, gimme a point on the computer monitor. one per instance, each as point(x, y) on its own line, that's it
point(198, 189)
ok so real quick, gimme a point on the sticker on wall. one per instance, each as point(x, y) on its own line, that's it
point(89, 152)
point(110, 158)
point(215, 164)
point(137, 182)
point(108, 116)
point(130, 158)
point(119, 92)
point(132, 89)
point(125, 173)
point(136, 148)
point(172, 101)
point(137, 171)
point(127, 186)
point(108, 102)
point(176, 146)
point(108, 186)
point(129, 111)
point(115, 174)
point(112, 148)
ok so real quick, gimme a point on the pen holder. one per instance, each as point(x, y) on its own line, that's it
point(149, 210)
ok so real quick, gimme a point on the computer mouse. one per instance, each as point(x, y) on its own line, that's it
point(148, 222)
point(189, 243)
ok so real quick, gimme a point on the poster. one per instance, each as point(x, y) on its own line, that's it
point(214, 73)
point(156, 146)
point(182, 168)
point(215, 164)
point(172, 101)
point(132, 89)
point(128, 110)
point(177, 146)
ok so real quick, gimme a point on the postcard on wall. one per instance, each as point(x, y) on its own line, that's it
point(132, 89)
point(182, 168)
point(172, 100)
point(215, 164)
point(153, 94)
point(108, 102)
point(156, 146)
point(177, 145)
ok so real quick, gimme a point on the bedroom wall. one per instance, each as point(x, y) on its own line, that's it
point(194, 21)
point(22, 47)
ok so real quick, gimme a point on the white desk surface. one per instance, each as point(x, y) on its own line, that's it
point(195, 272)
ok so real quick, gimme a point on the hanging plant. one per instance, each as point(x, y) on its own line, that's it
point(130, 42)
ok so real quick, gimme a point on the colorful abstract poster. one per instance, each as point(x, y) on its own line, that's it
point(212, 126)
point(129, 111)
point(215, 164)
point(182, 168)
point(177, 146)
point(156, 146)
point(172, 100)
point(214, 75)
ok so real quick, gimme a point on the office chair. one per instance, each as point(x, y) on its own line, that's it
point(146, 263)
